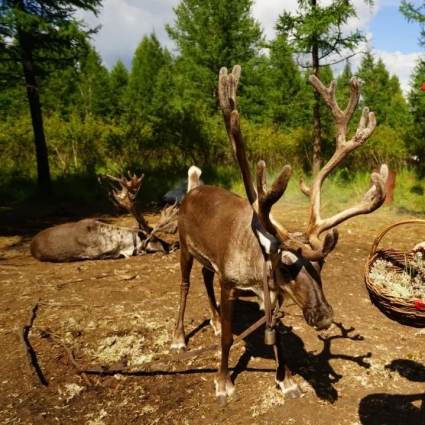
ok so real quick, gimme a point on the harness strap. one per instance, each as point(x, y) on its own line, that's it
point(267, 301)
point(134, 244)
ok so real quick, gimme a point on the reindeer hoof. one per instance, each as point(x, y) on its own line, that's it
point(180, 349)
point(236, 396)
point(222, 400)
point(293, 394)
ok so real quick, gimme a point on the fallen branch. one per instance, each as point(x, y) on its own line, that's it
point(47, 304)
point(57, 340)
point(30, 355)
point(62, 285)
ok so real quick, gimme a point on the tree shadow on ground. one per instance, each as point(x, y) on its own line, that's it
point(315, 368)
point(396, 409)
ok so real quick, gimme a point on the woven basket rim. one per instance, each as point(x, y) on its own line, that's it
point(396, 308)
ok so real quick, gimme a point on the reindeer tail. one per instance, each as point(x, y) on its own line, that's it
point(194, 173)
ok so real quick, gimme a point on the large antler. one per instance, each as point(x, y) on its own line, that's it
point(265, 199)
point(375, 196)
point(126, 197)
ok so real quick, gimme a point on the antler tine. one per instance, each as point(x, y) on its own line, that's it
point(267, 198)
point(228, 86)
point(376, 194)
point(134, 183)
point(126, 196)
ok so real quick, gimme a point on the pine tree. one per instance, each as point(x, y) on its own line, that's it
point(149, 94)
point(381, 93)
point(118, 82)
point(211, 34)
point(416, 96)
point(148, 60)
point(42, 32)
point(318, 32)
point(286, 82)
point(93, 94)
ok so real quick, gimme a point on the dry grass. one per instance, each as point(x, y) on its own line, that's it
point(408, 284)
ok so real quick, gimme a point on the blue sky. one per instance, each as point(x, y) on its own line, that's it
point(391, 37)
point(392, 32)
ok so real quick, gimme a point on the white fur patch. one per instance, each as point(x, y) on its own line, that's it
point(193, 173)
point(178, 346)
point(289, 258)
point(268, 242)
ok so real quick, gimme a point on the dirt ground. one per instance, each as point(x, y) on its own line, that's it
point(366, 369)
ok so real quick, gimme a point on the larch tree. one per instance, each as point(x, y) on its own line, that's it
point(39, 34)
point(319, 32)
point(414, 13)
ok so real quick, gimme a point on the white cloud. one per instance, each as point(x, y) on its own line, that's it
point(399, 64)
point(125, 22)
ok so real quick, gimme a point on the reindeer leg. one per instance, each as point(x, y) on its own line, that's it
point(209, 285)
point(284, 379)
point(178, 344)
point(223, 384)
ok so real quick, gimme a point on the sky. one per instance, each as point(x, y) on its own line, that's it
point(390, 36)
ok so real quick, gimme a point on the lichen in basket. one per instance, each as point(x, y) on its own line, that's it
point(408, 283)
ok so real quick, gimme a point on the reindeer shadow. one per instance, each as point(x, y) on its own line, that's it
point(396, 409)
point(315, 368)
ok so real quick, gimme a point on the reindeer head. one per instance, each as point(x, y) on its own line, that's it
point(298, 260)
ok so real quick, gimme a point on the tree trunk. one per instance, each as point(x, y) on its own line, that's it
point(317, 161)
point(44, 184)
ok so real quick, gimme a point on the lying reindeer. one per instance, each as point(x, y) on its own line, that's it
point(90, 239)
point(239, 240)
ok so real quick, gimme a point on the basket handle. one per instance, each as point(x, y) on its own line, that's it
point(391, 226)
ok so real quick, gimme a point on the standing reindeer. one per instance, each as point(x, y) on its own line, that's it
point(241, 242)
point(90, 239)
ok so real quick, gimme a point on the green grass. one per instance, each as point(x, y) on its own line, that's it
point(341, 189)
point(344, 188)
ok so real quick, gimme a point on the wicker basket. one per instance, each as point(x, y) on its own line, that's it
point(406, 312)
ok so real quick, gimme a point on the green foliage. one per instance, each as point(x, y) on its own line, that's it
point(408, 192)
point(415, 134)
point(42, 36)
point(272, 90)
point(93, 85)
point(386, 146)
point(118, 82)
point(211, 34)
point(414, 13)
point(320, 27)
point(162, 115)
point(381, 93)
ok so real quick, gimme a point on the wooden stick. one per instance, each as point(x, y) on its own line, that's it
point(32, 365)
point(71, 358)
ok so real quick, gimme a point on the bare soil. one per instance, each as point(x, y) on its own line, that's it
point(366, 369)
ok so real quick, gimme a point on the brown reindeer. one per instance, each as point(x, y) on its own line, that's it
point(240, 241)
point(90, 239)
